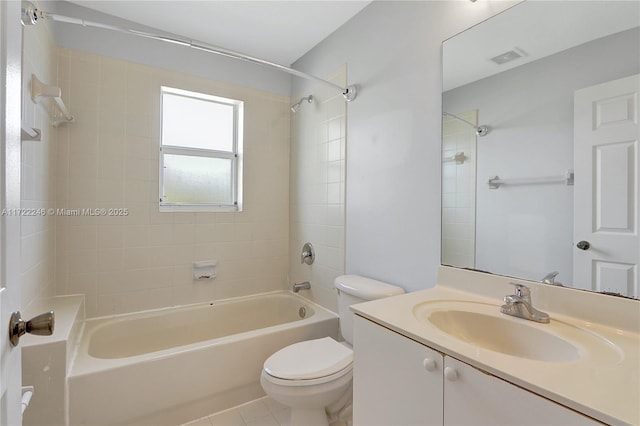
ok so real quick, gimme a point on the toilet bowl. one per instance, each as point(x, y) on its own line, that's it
point(309, 377)
point(314, 377)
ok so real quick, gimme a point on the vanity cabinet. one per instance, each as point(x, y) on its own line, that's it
point(398, 381)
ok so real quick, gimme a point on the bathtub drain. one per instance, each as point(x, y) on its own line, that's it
point(302, 312)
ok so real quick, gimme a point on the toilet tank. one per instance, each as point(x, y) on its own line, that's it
point(354, 289)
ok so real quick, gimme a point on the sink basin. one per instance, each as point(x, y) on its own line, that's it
point(500, 335)
point(481, 325)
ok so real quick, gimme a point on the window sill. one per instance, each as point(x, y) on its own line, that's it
point(195, 208)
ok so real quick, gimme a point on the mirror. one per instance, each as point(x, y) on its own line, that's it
point(532, 186)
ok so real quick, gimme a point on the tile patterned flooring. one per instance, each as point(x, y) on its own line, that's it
point(260, 412)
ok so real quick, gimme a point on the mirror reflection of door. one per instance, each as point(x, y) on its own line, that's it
point(459, 188)
point(607, 251)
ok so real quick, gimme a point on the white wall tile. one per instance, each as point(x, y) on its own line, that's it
point(109, 158)
point(37, 169)
point(317, 192)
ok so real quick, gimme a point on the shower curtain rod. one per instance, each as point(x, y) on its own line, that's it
point(480, 130)
point(31, 16)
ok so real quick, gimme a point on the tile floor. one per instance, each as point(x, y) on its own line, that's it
point(261, 412)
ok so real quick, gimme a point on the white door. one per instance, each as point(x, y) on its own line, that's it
point(606, 157)
point(10, 109)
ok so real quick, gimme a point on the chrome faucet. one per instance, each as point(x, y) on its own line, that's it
point(301, 286)
point(550, 278)
point(519, 305)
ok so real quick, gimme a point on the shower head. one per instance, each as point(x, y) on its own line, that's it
point(295, 107)
point(480, 130)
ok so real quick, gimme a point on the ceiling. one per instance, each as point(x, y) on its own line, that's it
point(278, 31)
point(536, 29)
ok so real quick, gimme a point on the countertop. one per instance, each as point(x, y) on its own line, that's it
point(606, 388)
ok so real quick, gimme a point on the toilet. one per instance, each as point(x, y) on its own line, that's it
point(314, 377)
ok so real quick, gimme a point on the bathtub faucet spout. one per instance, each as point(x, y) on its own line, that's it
point(301, 286)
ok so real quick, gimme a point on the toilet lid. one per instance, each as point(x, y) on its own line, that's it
point(310, 359)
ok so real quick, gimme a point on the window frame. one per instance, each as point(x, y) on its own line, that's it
point(235, 155)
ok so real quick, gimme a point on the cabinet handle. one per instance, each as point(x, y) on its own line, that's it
point(451, 374)
point(429, 364)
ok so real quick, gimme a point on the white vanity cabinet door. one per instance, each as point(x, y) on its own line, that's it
point(473, 397)
point(396, 381)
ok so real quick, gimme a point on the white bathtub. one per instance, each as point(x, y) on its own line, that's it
point(173, 365)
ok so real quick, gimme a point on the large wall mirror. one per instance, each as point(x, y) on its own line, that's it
point(540, 145)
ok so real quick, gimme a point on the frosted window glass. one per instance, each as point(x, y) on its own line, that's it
point(196, 123)
point(189, 179)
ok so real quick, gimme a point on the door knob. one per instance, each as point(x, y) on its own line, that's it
point(583, 245)
point(41, 325)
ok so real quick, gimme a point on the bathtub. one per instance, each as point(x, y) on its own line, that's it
point(169, 366)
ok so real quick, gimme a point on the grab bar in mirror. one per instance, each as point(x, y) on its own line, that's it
point(495, 182)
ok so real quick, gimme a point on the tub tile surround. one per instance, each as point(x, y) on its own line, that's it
point(458, 191)
point(37, 166)
point(606, 392)
point(317, 189)
point(109, 158)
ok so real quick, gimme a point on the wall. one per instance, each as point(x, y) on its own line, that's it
point(318, 145)
point(37, 188)
point(108, 158)
point(527, 231)
point(393, 155)
point(393, 159)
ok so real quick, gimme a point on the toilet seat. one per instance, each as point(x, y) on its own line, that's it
point(344, 374)
point(317, 361)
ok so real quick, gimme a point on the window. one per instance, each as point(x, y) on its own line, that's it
point(200, 152)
